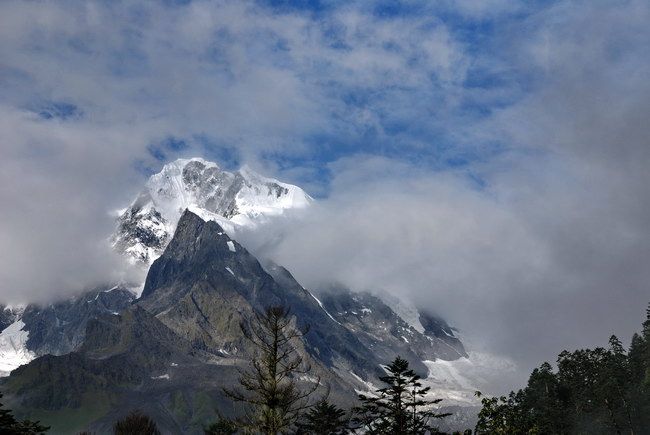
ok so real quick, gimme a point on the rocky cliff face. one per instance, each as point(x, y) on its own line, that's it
point(60, 328)
point(386, 334)
point(57, 328)
point(9, 315)
point(181, 341)
point(128, 361)
point(171, 351)
point(206, 283)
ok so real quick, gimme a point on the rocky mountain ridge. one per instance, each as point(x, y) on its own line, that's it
point(188, 316)
point(57, 329)
point(234, 199)
point(201, 284)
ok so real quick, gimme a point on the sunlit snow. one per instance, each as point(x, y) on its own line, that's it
point(165, 376)
point(251, 197)
point(456, 382)
point(13, 349)
point(406, 311)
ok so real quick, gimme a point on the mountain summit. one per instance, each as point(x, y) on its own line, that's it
point(180, 342)
point(233, 199)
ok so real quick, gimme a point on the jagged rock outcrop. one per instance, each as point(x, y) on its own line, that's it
point(129, 360)
point(386, 334)
point(205, 284)
point(172, 351)
point(9, 315)
point(57, 328)
point(60, 328)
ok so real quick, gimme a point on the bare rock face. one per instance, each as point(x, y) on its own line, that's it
point(380, 329)
point(171, 351)
point(9, 315)
point(129, 360)
point(142, 233)
point(205, 284)
point(59, 328)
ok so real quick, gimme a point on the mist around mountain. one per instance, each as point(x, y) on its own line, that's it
point(176, 346)
point(169, 346)
point(58, 328)
point(233, 199)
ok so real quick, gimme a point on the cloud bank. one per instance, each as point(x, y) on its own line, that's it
point(489, 161)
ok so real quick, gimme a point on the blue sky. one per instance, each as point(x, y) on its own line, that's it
point(483, 157)
point(307, 83)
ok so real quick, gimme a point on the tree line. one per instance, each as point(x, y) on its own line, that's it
point(592, 391)
point(605, 390)
point(275, 404)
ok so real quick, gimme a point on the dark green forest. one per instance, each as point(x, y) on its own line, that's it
point(592, 391)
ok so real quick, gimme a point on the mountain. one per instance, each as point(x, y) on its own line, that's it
point(129, 360)
point(57, 328)
point(380, 329)
point(13, 350)
point(9, 314)
point(234, 199)
point(180, 342)
point(205, 284)
point(170, 350)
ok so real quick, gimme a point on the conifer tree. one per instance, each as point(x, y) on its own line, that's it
point(136, 423)
point(638, 399)
point(614, 385)
point(399, 407)
point(501, 416)
point(542, 397)
point(221, 427)
point(639, 365)
point(269, 388)
point(323, 418)
point(9, 425)
point(594, 391)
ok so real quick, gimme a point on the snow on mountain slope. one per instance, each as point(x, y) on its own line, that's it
point(407, 311)
point(244, 198)
point(457, 381)
point(9, 314)
point(13, 348)
point(233, 199)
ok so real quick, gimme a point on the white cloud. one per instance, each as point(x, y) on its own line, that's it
point(136, 73)
point(549, 253)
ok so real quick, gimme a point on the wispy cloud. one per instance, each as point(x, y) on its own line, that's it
point(94, 95)
point(488, 158)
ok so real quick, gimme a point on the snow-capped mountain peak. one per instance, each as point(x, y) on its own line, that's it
point(233, 199)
